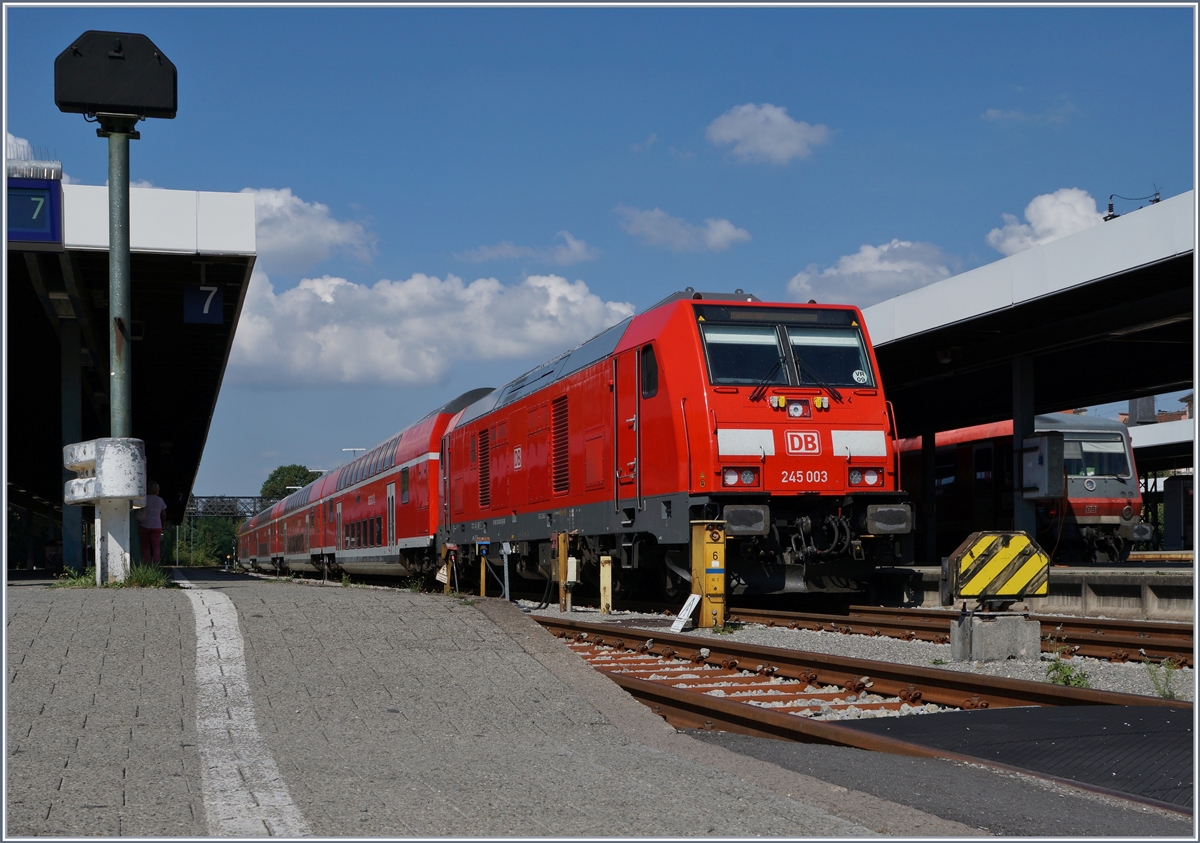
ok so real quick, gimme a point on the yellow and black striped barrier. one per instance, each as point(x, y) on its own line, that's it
point(998, 566)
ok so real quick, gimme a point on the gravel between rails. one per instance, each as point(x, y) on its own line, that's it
point(1129, 678)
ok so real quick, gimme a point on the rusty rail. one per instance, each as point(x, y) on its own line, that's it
point(940, 687)
point(1115, 640)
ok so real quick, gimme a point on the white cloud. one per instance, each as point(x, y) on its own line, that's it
point(294, 235)
point(658, 228)
point(1056, 114)
point(874, 273)
point(997, 114)
point(329, 330)
point(1048, 217)
point(17, 148)
point(646, 144)
point(765, 133)
point(571, 251)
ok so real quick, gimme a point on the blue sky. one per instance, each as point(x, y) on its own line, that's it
point(446, 197)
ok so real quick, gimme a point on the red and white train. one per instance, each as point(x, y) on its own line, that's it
point(768, 417)
point(1097, 519)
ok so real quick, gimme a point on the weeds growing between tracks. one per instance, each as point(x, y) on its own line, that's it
point(1162, 677)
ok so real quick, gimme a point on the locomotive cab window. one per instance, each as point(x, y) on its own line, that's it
point(649, 372)
point(1095, 455)
point(743, 354)
point(836, 356)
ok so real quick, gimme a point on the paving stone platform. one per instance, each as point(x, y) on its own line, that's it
point(386, 713)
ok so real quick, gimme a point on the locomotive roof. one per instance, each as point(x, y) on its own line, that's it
point(581, 356)
point(585, 354)
point(1070, 421)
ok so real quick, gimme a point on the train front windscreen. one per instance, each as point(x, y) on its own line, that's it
point(784, 347)
point(1088, 454)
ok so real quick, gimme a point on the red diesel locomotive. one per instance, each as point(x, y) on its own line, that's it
point(768, 417)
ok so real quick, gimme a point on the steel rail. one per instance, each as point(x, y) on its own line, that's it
point(929, 685)
point(1115, 640)
point(691, 710)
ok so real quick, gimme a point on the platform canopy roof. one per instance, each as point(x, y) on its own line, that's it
point(1105, 314)
point(191, 251)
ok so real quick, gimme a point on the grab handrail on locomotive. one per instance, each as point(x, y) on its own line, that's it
point(1098, 519)
point(707, 406)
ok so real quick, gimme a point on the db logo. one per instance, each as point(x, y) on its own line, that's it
point(517, 458)
point(803, 442)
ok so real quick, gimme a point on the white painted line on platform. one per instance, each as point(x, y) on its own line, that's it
point(244, 795)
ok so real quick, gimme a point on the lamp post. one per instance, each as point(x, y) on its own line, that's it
point(114, 79)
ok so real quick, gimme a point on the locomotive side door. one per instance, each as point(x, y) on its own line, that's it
point(626, 439)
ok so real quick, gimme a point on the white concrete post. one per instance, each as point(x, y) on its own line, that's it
point(112, 541)
point(111, 473)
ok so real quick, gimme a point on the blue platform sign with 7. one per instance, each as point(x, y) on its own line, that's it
point(202, 304)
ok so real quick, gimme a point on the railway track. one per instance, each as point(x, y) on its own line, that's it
point(713, 685)
point(1114, 640)
point(684, 677)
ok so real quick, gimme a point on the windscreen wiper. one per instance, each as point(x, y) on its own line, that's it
point(759, 391)
point(805, 369)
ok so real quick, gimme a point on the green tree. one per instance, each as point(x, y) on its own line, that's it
point(276, 486)
point(202, 541)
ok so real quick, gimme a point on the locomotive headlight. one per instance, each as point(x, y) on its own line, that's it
point(1127, 513)
point(797, 409)
point(730, 477)
point(871, 476)
point(747, 477)
point(856, 477)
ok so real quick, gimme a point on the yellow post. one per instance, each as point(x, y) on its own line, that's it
point(606, 585)
point(562, 571)
point(708, 571)
point(482, 575)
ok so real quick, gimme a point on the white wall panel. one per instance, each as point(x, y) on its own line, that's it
point(178, 221)
point(225, 223)
point(162, 220)
point(85, 216)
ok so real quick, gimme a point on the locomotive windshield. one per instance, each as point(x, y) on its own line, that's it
point(744, 354)
point(1095, 454)
point(834, 355)
point(786, 347)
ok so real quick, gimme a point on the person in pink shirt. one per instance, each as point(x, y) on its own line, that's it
point(151, 526)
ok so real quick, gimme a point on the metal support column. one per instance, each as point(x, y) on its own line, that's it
point(929, 493)
point(113, 544)
point(72, 431)
point(1024, 511)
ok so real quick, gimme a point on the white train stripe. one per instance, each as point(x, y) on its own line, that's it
point(244, 795)
point(739, 442)
point(859, 443)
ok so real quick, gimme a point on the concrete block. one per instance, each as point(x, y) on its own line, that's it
point(985, 637)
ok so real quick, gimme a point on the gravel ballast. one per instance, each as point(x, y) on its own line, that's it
point(1129, 678)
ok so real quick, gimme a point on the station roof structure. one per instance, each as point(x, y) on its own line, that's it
point(1163, 446)
point(191, 255)
point(1105, 314)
